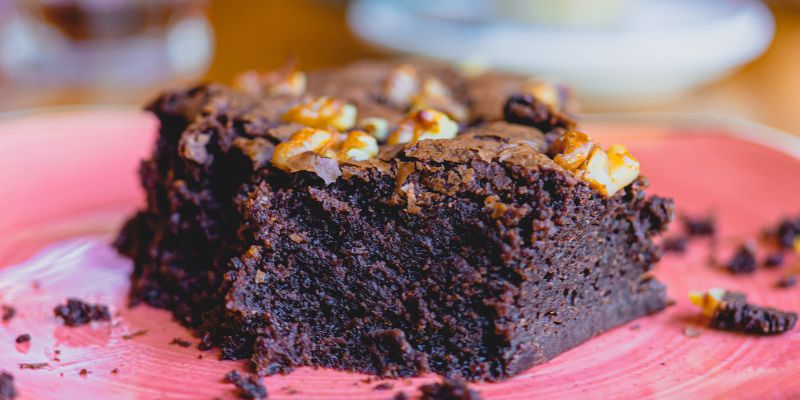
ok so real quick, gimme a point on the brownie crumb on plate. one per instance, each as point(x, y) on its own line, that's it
point(83, 372)
point(675, 244)
point(77, 312)
point(23, 338)
point(134, 334)
point(114, 371)
point(788, 231)
point(248, 387)
point(700, 226)
point(448, 389)
point(7, 390)
point(383, 386)
point(736, 314)
point(33, 366)
point(400, 396)
point(743, 260)
point(181, 342)
point(774, 259)
point(787, 281)
point(8, 312)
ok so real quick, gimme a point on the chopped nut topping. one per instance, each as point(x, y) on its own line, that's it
point(424, 124)
point(353, 146)
point(546, 92)
point(283, 81)
point(401, 85)
point(357, 146)
point(434, 94)
point(606, 170)
point(304, 140)
point(323, 112)
point(377, 127)
point(708, 301)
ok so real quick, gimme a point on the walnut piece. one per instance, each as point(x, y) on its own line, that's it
point(284, 81)
point(323, 112)
point(423, 124)
point(377, 127)
point(608, 170)
point(353, 146)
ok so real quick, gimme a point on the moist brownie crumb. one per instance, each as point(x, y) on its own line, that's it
point(734, 313)
point(33, 366)
point(448, 389)
point(774, 259)
point(787, 281)
point(400, 396)
point(83, 372)
point(675, 244)
point(383, 386)
point(8, 312)
point(134, 334)
point(77, 312)
point(181, 342)
point(114, 371)
point(7, 390)
point(699, 226)
point(788, 231)
point(248, 387)
point(743, 260)
point(24, 338)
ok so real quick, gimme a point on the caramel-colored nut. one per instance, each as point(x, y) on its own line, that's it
point(545, 91)
point(304, 140)
point(377, 127)
point(622, 166)
point(571, 149)
point(424, 124)
point(434, 94)
point(708, 301)
point(401, 85)
point(280, 82)
point(358, 146)
point(323, 112)
point(608, 171)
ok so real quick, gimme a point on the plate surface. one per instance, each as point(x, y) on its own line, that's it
point(68, 180)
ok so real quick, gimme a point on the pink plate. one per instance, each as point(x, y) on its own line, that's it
point(67, 180)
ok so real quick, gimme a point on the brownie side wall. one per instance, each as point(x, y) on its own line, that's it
point(464, 287)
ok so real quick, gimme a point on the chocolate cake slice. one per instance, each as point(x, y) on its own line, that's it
point(461, 245)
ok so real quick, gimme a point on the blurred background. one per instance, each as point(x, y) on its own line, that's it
point(735, 58)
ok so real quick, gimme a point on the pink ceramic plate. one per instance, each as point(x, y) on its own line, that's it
point(67, 180)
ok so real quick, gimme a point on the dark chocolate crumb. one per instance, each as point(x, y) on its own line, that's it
point(691, 332)
point(736, 314)
point(33, 365)
point(367, 380)
point(137, 333)
point(774, 259)
point(181, 342)
point(400, 396)
point(448, 389)
point(247, 387)
point(8, 312)
point(83, 372)
point(383, 386)
point(199, 356)
point(206, 343)
point(77, 312)
point(24, 338)
point(743, 261)
point(787, 281)
point(7, 390)
point(675, 244)
point(114, 371)
point(699, 226)
point(788, 231)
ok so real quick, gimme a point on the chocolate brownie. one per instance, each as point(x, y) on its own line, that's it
point(77, 312)
point(476, 255)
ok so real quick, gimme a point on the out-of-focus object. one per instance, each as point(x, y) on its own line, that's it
point(613, 51)
point(101, 45)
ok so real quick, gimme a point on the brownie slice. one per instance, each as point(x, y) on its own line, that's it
point(476, 256)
